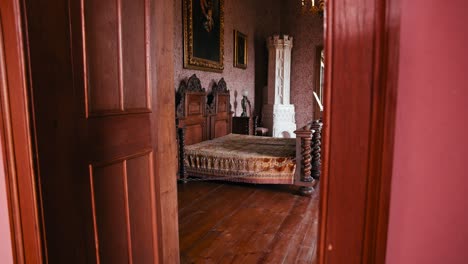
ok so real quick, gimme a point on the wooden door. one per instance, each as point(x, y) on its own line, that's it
point(103, 105)
point(124, 75)
point(361, 73)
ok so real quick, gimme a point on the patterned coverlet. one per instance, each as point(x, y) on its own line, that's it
point(243, 158)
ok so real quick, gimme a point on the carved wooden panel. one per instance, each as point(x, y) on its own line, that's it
point(221, 128)
point(101, 55)
point(191, 112)
point(110, 206)
point(115, 55)
point(194, 108)
point(195, 104)
point(194, 134)
point(141, 206)
point(135, 72)
point(223, 104)
point(121, 194)
point(118, 136)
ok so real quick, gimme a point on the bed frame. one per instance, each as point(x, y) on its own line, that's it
point(201, 116)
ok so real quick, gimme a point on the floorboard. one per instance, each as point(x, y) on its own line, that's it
point(246, 223)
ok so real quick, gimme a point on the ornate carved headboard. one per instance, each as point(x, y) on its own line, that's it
point(203, 116)
point(219, 110)
point(191, 110)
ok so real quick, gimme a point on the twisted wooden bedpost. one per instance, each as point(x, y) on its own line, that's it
point(306, 152)
point(304, 160)
point(316, 149)
point(182, 171)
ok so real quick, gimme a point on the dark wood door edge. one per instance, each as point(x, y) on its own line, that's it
point(16, 139)
point(385, 22)
point(382, 131)
point(8, 160)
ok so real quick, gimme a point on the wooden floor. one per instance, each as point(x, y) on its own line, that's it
point(242, 223)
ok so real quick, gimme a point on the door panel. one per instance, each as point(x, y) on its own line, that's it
point(118, 124)
point(135, 30)
point(101, 56)
point(103, 100)
point(123, 202)
point(117, 136)
point(141, 205)
point(116, 39)
point(108, 194)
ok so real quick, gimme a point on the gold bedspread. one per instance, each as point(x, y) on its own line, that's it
point(243, 158)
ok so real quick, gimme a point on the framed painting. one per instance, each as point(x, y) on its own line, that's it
point(240, 50)
point(203, 34)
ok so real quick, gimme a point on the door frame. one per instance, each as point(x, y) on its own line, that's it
point(374, 82)
point(17, 142)
point(362, 73)
point(317, 79)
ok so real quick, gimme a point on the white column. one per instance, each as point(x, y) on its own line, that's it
point(278, 113)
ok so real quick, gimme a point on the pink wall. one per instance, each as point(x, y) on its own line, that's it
point(307, 30)
point(6, 255)
point(239, 15)
point(429, 200)
point(268, 23)
point(260, 19)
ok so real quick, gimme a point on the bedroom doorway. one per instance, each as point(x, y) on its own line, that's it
point(361, 57)
point(354, 212)
point(228, 210)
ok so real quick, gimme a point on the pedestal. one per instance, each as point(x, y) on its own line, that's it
point(280, 120)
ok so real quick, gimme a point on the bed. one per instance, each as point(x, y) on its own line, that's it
point(243, 158)
point(209, 151)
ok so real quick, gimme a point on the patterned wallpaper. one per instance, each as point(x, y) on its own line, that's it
point(259, 19)
point(268, 23)
point(239, 15)
point(307, 30)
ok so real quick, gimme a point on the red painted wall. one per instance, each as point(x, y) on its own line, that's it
point(429, 200)
point(6, 254)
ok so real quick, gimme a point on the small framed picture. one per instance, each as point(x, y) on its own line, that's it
point(240, 50)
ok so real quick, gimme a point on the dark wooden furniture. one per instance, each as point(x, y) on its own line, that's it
point(219, 110)
point(243, 125)
point(196, 115)
point(202, 116)
point(317, 148)
point(191, 111)
point(98, 143)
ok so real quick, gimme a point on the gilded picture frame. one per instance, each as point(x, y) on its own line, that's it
point(203, 23)
point(240, 50)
